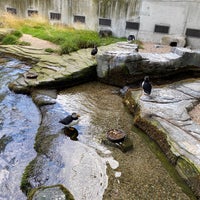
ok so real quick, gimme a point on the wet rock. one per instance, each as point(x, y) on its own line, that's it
point(125, 145)
point(164, 117)
point(51, 192)
point(44, 97)
point(31, 75)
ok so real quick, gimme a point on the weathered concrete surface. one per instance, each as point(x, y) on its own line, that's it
point(164, 117)
point(126, 67)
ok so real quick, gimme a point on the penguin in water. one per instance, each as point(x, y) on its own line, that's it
point(146, 85)
point(94, 51)
point(70, 120)
point(130, 38)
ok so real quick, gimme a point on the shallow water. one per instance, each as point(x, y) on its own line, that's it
point(19, 120)
point(79, 165)
point(91, 170)
point(88, 168)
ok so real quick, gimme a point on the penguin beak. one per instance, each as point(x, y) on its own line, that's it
point(78, 115)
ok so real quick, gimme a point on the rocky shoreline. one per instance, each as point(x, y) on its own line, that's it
point(158, 116)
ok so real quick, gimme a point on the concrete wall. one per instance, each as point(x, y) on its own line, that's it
point(177, 15)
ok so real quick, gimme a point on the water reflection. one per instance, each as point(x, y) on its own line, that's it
point(72, 133)
point(19, 120)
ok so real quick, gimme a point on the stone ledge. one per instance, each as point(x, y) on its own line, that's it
point(126, 67)
point(164, 117)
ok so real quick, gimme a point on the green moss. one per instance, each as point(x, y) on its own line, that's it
point(190, 173)
point(25, 184)
point(9, 40)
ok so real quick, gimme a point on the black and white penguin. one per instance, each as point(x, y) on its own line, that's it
point(94, 51)
point(70, 120)
point(130, 38)
point(146, 85)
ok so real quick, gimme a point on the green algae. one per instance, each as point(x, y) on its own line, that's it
point(25, 184)
point(154, 147)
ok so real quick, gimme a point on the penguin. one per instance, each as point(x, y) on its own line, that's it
point(70, 120)
point(94, 51)
point(130, 38)
point(146, 85)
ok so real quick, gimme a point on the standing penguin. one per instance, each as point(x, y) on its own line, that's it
point(70, 120)
point(130, 38)
point(94, 51)
point(146, 85)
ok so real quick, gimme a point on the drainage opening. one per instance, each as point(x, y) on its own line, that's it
point(173, 44)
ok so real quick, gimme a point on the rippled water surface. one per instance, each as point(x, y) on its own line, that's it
point(19, 120)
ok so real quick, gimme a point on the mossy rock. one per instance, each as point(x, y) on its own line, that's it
point(190, 173)
point(50, 192)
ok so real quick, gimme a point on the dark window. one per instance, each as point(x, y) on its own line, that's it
point(105, 22)
point(11, 11)
point(161, 29)
point(55, 16)
point(78, 18)
point(193, 32)
point(32, 12)
point(132, 25)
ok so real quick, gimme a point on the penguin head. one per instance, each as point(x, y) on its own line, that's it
point(146, 78)
point(75, 116)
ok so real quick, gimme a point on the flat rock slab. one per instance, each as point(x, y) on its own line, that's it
point(167, 108)
point(52, 69)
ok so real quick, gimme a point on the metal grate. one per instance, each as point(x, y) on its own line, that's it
point(193, 32)
point(132, 25)
point(55, 16)
point(161, 29)
point(78, 18)
point(12, 11)
point(104, 22)
point(32, 12)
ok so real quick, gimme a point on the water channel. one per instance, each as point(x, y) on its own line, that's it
point(19, 121)
point(87, 167)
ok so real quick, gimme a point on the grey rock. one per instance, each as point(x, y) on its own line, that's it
point(167, 109)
